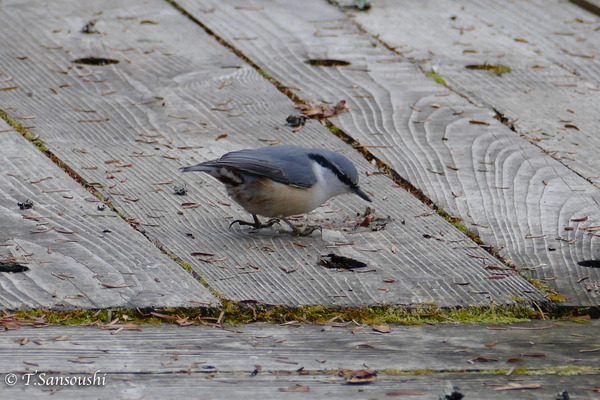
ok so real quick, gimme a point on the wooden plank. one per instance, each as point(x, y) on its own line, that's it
point(78, 256)
point(564, 34)
point(443, 347)
point(544, 101)
point(556, 355)
point(517, 199)
point(417, 258)
point(314, 386)
point(554, 105)
point(550, 95)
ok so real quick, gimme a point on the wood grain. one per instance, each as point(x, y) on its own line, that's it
point(550, 95)
point(168, 104)
point(314, 386)
point(78, 256)
point(443, 347)
point(516, 196)
point(222, 362)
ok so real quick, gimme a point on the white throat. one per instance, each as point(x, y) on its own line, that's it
point(328, 184)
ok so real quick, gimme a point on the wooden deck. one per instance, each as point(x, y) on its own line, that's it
point(307, 361)
point(485, 110)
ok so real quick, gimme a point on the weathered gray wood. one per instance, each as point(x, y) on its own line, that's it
point(559, 356)
point(554, 83)
point(71, 248)
point(206, 91)
point(560, 32)
point(541, 101)
point(442, 347)
point(516, 198)
point(319, 386)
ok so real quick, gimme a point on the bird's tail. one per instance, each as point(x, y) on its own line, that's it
point(199, 167)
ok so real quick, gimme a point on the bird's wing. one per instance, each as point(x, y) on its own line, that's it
point(282, 166)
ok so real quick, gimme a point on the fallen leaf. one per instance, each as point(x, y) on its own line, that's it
point(322, 110)
point(519, 386)
point(120, 285)
point(359, 377)
point(582, 219)
point(295, 388)
point(382, 328)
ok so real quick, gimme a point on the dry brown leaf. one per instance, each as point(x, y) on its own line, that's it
point(382, 328)
point(359, 377)
point(120, 285)
point(323, 110)
point(295, 388)
point(519, 386)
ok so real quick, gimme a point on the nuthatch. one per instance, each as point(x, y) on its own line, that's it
point(279, 181)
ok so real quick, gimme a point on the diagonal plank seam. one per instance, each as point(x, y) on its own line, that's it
point(369, 156)
point(504, 120)
point(230, 307)
point(586, 5)
point(33, 139)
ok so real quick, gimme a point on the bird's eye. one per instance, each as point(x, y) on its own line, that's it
point(323, 162)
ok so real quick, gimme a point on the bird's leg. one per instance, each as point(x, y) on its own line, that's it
point(297, 232)
point(256, 224)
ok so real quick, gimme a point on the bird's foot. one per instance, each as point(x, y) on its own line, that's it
point(305, 232)
point(256, 224)
point(309, 230)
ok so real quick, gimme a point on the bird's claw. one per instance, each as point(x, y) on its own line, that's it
point(239, 221)
point(256, 224)
point(306, 231)
point(259, 225)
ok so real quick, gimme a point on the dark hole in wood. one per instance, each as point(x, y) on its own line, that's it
point(590, 263)
point(326, 62)
point(334, 261)
point(89, 28)
point(587, 5)
point(95, 61)
point(9, 266)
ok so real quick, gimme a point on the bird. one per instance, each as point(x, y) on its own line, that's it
point(282, 180)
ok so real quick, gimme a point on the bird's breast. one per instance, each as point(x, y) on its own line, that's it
point(272, 199)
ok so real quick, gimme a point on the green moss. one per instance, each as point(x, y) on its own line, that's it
point(190, 269)
point(550, 293)
point(570, 370)
point(577, 319)
point(384, 314)
point(564, 370)
point(334, 129)
point(72, 317)
point(498, 69)
point(416, 372)
point(456, 222)
point(437, 78)
point(236, 313)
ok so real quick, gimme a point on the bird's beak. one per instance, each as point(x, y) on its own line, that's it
point(361, 193)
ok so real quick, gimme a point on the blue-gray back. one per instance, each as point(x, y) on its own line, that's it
point(291, 165)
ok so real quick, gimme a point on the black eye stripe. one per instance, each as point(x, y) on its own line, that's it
point(322, 161)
